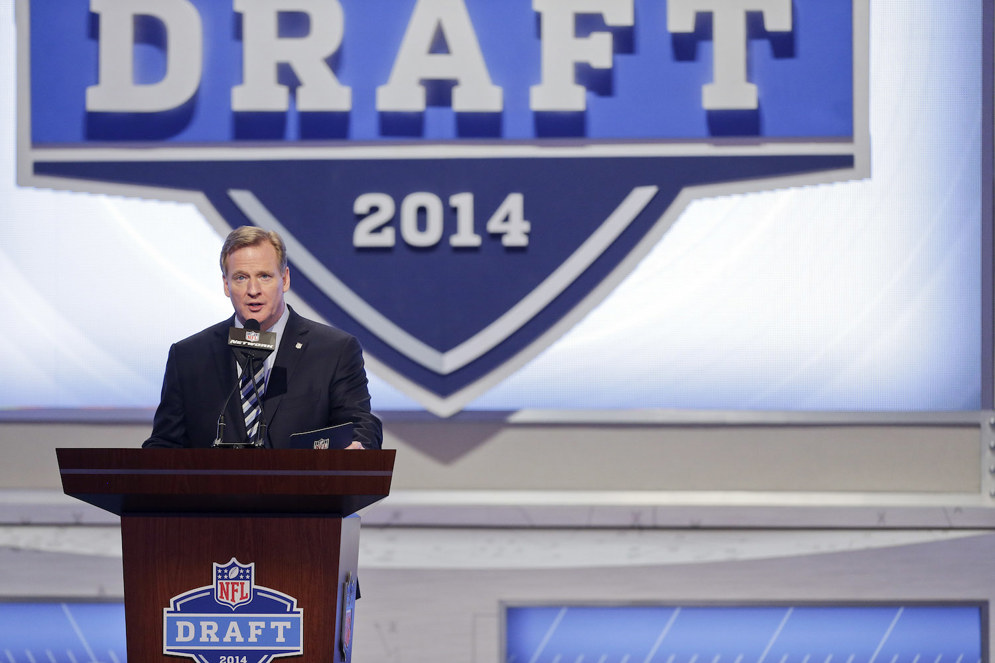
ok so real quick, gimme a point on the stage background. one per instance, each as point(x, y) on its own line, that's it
point(789, 400)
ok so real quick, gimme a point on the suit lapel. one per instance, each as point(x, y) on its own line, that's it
point(288, 357)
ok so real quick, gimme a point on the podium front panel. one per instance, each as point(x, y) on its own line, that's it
point(199, 583)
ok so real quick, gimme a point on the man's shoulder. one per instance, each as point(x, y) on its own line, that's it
point(205, 336)
point(315, 329)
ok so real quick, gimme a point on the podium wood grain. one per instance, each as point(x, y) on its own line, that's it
point(287, 511)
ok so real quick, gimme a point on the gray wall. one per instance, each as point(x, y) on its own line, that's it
point(535, 507)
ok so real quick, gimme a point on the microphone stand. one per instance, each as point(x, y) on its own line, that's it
point(237, 341)
point(220, 431)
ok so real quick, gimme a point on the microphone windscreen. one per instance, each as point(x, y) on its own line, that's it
point(249, 341)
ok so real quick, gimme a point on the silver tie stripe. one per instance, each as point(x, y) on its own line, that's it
point(250, 404)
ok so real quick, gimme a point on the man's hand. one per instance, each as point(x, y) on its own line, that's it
point(356, 445)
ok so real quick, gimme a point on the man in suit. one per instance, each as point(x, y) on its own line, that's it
point(316, 377)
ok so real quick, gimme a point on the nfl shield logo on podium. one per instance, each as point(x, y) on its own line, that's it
point(234, 620)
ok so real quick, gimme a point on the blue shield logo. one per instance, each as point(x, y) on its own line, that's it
point(458, 181)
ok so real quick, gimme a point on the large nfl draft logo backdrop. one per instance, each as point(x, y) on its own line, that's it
point(458, 181)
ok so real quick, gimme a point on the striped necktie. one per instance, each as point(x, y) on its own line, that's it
point(250, 404)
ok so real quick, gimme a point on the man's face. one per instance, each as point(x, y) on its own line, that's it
point(255, 285)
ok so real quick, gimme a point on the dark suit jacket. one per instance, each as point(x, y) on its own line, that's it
point(318, 380)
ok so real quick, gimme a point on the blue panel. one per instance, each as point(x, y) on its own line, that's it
point(74, 632)
point(745, 634)
point(62, 632)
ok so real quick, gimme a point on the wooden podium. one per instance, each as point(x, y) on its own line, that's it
point(287, 513)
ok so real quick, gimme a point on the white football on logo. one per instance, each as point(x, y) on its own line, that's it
point(233, 573)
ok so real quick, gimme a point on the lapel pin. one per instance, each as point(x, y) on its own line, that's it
point(300, 345)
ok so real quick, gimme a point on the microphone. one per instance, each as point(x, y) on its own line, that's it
point(248, 344)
